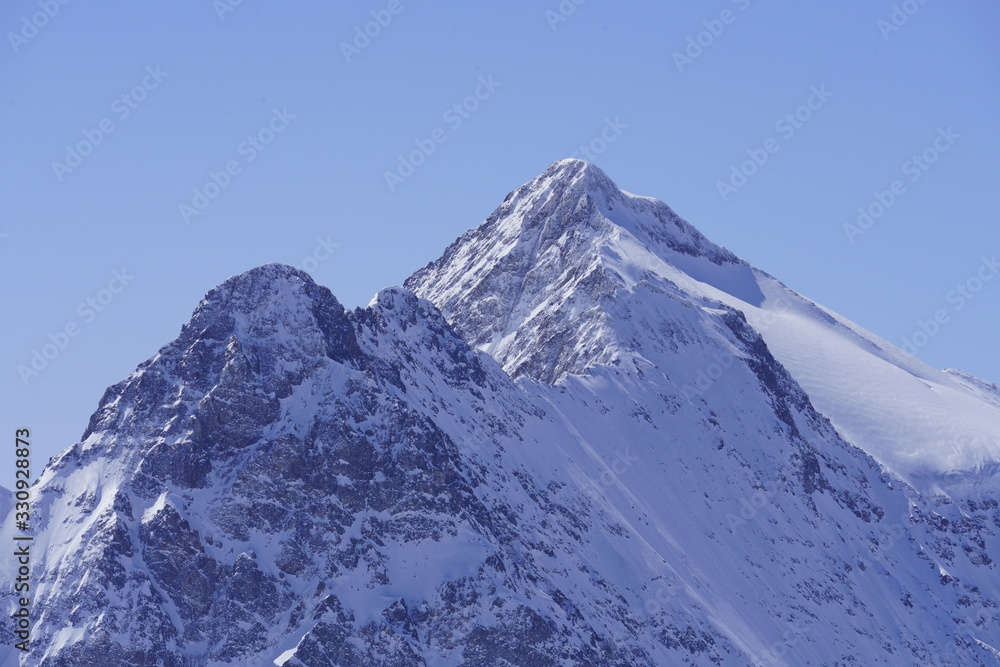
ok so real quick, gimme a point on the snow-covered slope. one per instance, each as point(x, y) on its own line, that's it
point(632, 476)
point(6, 502)
point(537, 276)
point(939, 430)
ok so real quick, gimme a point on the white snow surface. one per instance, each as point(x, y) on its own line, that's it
point(937, 430)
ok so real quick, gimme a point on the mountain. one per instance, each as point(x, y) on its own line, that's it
point(560, 267)
point(585, 435)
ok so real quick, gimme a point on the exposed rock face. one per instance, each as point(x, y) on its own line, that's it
point(633, 478)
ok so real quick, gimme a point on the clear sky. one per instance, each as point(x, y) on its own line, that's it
point(180, 143)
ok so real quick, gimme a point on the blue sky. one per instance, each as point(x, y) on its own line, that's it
point(152, 150)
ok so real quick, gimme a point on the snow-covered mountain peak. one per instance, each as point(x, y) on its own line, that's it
point(571, 273)
point(555, 259)
point(274, 305)
point(577, 177)
point(271, 296)
point(249, 343)
point(259, 283)
point(576, 193)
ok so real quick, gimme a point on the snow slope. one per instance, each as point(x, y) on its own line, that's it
point(939, 431)
point(6, 501)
